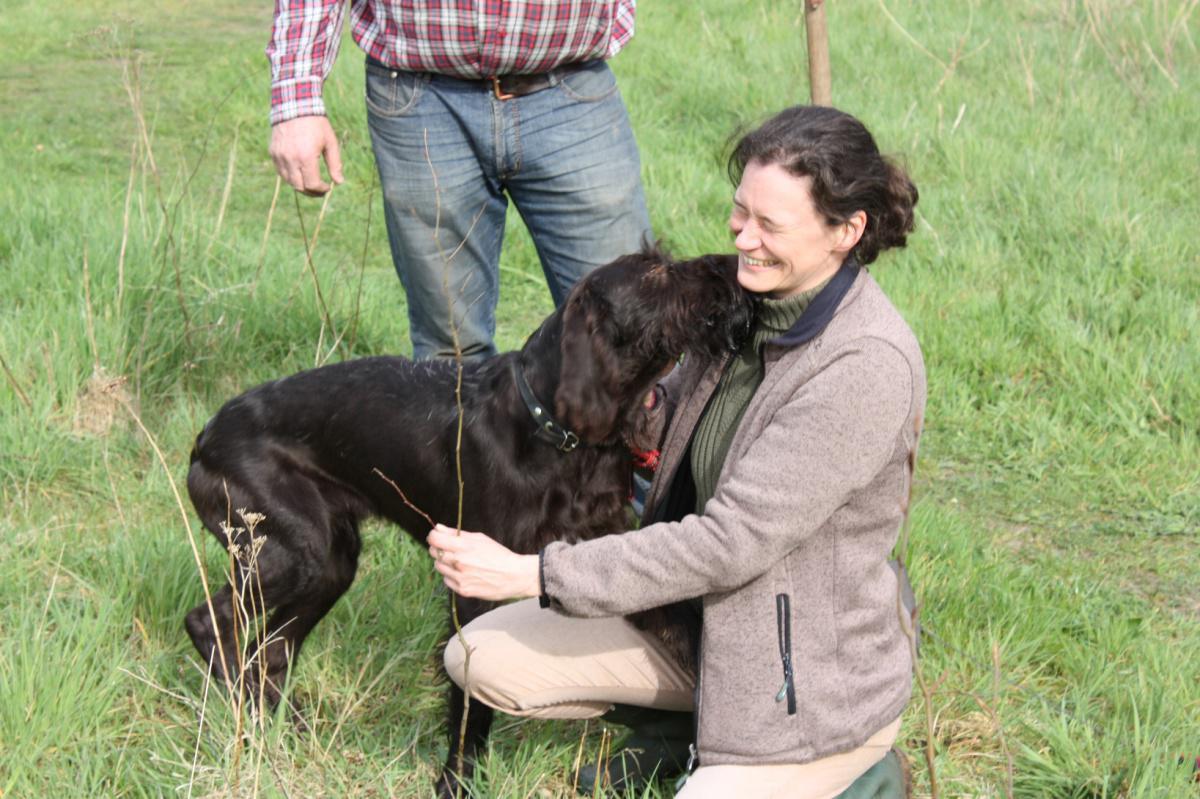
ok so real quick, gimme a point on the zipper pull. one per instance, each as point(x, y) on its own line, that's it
point(787, 676)
point(687, 770)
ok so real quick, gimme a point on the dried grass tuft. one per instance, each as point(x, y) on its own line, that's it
point(99, 405)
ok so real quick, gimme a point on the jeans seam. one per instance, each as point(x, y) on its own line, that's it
point(497, 108)
point(516, 128)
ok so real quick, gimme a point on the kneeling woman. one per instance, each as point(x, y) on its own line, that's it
point(784, 474)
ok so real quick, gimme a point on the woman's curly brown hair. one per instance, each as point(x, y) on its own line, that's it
point(848, 172)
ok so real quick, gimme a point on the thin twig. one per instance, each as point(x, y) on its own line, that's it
point(12, 379)
point(309, 246)
point(362, 267)
point(995, 713)
point(157, 687)
point(238, 610)
point(187, 523)
point(1030, 84)
point(262, 249)
point(405, 499)
point(89, 321)
point(229, 172)
point(927, 695)
point(113, 486)
point(602, 773)
point(458, 368)
point(278, 779)
point(361, 696)
point(199, 730)
point(125, 224)
point(910, 37)
point(1166, 73)
point(578, 759)
point(133, 88)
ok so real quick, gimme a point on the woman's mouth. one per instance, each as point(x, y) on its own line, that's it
point(758, 263)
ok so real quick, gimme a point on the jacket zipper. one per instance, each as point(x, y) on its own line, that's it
point(783, 616)
point(693, 751)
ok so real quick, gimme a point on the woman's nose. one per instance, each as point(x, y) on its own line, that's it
point(745, 235)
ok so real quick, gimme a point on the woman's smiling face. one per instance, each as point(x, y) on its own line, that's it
point(786, 246)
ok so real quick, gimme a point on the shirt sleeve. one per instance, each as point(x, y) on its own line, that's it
point(304, 43)
point(832, 438)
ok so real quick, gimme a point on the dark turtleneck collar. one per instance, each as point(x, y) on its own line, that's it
point(822, 307)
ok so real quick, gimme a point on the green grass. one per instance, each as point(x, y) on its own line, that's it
point(1052, 281)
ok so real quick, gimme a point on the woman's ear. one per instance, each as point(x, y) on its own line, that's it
point(852, 230)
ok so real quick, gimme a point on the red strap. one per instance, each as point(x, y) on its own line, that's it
point(646, 459)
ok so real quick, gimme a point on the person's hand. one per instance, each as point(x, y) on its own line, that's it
point(473, 565)
point(296, 147)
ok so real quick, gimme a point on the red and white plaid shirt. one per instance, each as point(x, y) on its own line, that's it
point(463, 38)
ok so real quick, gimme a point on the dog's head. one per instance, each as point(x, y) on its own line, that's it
point(627, 323)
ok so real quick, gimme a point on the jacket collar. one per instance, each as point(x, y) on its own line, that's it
point(820, 311)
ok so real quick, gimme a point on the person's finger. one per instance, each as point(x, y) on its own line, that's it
point(447, 538)
point(291, 176)
point(311, 182)
point(333, 158)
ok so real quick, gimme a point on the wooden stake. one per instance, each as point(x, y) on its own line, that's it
point(817, 31)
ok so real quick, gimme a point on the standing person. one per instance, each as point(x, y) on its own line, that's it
point(470, 103)
point(780, 494)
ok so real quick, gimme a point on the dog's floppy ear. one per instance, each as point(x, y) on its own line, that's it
point(586, 399)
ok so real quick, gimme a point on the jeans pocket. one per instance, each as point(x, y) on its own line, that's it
point(589, 82)
point(391, 92)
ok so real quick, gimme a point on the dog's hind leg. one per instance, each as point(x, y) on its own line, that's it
point(291, 621)
point(292, 563)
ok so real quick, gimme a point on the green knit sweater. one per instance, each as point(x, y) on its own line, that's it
point(741, 379)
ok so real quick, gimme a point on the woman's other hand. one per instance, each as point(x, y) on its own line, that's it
point(473, 565)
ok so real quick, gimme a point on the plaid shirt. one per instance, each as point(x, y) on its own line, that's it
point(463, 38)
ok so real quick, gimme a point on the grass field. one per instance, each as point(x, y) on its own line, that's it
point(1053, 282)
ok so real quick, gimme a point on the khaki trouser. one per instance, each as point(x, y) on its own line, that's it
point(528, 661)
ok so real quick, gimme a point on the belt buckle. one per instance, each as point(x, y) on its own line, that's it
point(500, 95)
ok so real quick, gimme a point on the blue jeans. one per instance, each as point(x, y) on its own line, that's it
point(450, 155)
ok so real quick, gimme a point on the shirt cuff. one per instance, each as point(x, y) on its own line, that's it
point(296, 98)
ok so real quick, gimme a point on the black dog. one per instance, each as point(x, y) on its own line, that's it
point(545, 455)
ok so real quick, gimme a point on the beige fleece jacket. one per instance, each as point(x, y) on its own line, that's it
point(802, 654)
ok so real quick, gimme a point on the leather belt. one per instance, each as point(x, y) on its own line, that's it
point(506, 87)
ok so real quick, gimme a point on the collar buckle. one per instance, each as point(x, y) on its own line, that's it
point(548, 429)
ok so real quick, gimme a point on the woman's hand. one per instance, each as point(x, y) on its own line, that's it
point(473, 565)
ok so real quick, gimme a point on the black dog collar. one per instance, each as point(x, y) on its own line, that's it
point(547, 428)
